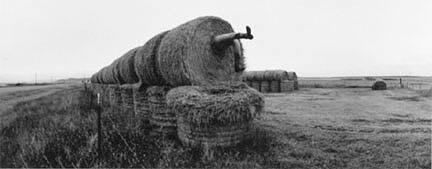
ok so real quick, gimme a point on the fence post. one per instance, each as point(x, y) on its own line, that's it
point(99, 125)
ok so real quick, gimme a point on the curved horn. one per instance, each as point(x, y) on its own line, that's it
point(221, 41)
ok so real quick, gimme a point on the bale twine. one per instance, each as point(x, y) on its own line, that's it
point(265, 86)
point(214, 115)
point(141, 104)
point(275, 86)
point(161, 115)
point(379, 85)
point(256, 85)
point(186, 55)
point(287, 85)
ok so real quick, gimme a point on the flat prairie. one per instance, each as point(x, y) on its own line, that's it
point(325, 127)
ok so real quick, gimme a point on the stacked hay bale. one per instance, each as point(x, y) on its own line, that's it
point(214, 115)
point(141, 104)
point(379, 85)
point(127, 105)
point(161, 115)
point(269, 80)
point(293, 77)
point(286, 86)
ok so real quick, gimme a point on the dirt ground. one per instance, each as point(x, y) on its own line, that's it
point(351, 128)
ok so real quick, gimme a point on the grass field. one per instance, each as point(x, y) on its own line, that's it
point(309, 128)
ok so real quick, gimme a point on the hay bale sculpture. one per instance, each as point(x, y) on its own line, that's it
point(202, 52)
point(379, 85)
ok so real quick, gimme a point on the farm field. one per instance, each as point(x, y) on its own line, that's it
point(309, 128)
point(9, 96)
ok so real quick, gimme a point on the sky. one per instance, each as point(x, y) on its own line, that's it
point(52, 39)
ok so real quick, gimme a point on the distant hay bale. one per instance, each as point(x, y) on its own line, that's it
point(214, 115)
point(265, 86)
point(293, 76)
point(161, 116)
point(256, 85)
point(379, 85)
point(266, 75)
point(287, 85)
point(141, 103)
point(186, 55)
point(275, 86)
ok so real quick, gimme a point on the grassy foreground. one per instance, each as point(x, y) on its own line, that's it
point(59, 130)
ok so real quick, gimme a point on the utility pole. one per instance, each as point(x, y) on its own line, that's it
point(36, 78)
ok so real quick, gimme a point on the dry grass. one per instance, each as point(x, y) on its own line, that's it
point(309, 128)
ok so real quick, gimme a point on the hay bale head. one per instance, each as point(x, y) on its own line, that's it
point(187, 56)
point(379, 85)
point(215, 115)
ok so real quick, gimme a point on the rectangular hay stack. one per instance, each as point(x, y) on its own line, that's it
point(287, 85)
point(161, 115)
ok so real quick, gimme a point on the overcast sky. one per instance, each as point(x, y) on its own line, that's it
point(75, 38)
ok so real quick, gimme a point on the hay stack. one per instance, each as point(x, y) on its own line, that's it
point(161, 116)
point(275, 86)
point(214, 115)
point(287, 85)
point(256, 85)
point(265, 86)
point(293, 76)
point(379, 85)
point(266, 75)
point(141, 103)
point(189, 54)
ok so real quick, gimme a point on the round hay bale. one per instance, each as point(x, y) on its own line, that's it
point(292, 76)
point(145, 62)
point(379, 85)
point(161, 115)
point(214, 115)
point(287, 85)
point(256, 85)
point(141, 103)
point(265, 86)
point(186, 55)
point(126, 67)
point(275, 86)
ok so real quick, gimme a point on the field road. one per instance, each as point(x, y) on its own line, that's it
point(9, 96)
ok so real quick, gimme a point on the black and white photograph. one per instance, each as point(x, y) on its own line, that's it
point(284, 84)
